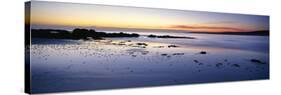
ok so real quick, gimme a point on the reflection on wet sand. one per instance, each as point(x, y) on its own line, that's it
point(133, 63)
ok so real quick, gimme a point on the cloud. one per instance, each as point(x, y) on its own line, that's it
point(220, 22)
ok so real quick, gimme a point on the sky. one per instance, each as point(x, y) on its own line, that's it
point(90, 15)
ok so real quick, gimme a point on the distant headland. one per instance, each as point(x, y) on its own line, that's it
point(255, 33)
point(77, 33)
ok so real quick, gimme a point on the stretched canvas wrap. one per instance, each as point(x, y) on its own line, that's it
point(77, 47)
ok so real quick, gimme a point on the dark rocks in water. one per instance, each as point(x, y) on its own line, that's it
point(168, 36)
point(168, 56)
point(235, 65)
point(164, 54)
point(219, 65)
point(51, 33)
point(76, 34)
point(178, 54)
point(134, 55)
point(152, 36)
point(202, 52)
point(143, 47)
point(170, 46)
point(196, 61)
point(142, 44)
point(257, 61)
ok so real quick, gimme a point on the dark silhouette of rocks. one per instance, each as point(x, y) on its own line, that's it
point(218, 65)
point(235, 65)
point(142, 44)
point(77, 33)
point(51, 33)
point(196, 61)
point(167, 36)
point(164, 54)
point(256, 33)
point(85, 34)
point(178, 53)
point(203, 52)
point(171, 46)
point(257, 61)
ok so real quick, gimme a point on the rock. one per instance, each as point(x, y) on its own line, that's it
point(170, 46)
point(257, 61)
point(219, 65)
point(164, 54)
point(142, 44)
point(178, 54)
point(235, 65)
point(168, 36)
point(151, 36)
point(168, 56)
point(203, 52)
point(196, 61)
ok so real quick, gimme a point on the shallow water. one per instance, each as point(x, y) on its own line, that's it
point(67, 65)
point(252, 43)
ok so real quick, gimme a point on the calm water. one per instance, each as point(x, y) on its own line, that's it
point(254, 43)
point(69, 65)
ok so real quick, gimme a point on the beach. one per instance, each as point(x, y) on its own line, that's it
point(70, 65)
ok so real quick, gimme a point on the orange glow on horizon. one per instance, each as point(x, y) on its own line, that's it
point(197, 28)
point(68, 14)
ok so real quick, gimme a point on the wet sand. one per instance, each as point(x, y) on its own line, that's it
point(106, 64)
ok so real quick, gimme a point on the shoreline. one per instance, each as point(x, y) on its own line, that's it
point(120, 42)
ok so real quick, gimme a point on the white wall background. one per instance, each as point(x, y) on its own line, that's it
point(12, 47)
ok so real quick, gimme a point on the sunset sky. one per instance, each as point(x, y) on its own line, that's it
point(87, 15)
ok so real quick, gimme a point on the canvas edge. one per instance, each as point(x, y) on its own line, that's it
point(27, 41)
point(27, 81)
